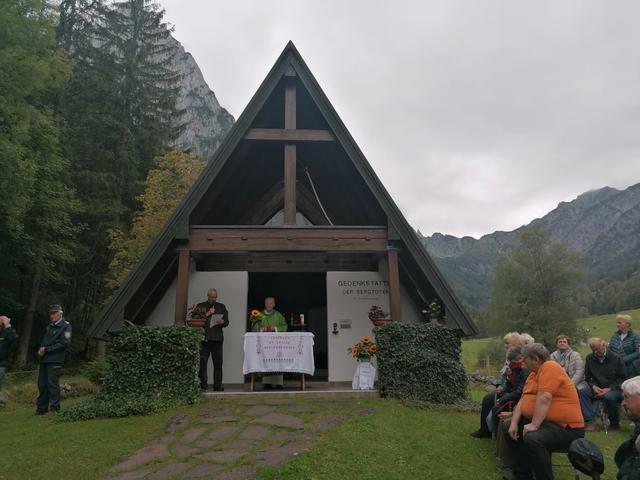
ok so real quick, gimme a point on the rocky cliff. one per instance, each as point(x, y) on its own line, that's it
point(206, 122)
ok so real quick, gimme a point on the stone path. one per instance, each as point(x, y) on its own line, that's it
point(233, 439)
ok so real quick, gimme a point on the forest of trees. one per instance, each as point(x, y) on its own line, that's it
point(87, 108)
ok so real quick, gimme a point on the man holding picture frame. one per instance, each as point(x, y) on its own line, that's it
point(217, 319)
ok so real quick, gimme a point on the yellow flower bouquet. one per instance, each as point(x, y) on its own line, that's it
point(365, 348)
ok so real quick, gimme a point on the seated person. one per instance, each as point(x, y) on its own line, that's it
point(505, 397)
point(511, 339)
point(570, 360)
point(547, 417)
point(526, 339)
point(626, 344)
point(273, 320)
point(604, 373)
point(628, 454)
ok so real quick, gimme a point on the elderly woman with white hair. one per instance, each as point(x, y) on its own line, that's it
point(628, 454)
point(626, 345)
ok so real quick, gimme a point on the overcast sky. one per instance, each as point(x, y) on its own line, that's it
point(477, 116)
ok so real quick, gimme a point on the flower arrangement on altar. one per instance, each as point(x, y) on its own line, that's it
point(378, 316)
point(364, 349)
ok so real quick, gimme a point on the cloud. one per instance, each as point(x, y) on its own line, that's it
point(477, 116)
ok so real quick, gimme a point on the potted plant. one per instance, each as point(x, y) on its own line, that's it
point(433, 313)
point(197, 317)
point(378, 316)
point(363, 350)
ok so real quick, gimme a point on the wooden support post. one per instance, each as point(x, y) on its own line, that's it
point(290, 105)
point(290, 185)
point(394, 284)
point(182, 287)
point(302, 385)
point(290, 154)
point(253, 382)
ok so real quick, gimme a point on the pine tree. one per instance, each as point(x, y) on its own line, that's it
point(38, 202)
point(119, 111)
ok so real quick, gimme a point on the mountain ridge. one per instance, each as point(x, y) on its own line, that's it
point(601, 225)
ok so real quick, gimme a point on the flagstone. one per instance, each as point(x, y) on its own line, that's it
point(184, 451)
point(191, 434)
point(255, 432)
point(203, 470)
point(222, 456)
point(281, 420)
point(223, 419)
point(170, 470)
point(155, 451)
point(177, 421)
point(276, 456)
point(259, 410)
point(331, 421)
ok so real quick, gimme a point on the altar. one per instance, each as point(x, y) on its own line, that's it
point(278, 352)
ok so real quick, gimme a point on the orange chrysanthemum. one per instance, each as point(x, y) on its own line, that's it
point(365, 339)
point(354, 351)
point(373, 349)
point(255, 313)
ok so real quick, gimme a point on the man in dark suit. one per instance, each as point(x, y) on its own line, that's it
point(217, 319)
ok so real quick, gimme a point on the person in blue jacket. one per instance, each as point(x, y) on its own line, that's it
point(55, 343)
point(626, 345)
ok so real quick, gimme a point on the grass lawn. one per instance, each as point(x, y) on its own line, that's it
point(39, 448)
point(401, 442)
point(394, 442)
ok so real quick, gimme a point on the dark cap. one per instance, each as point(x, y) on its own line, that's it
point(55, 308)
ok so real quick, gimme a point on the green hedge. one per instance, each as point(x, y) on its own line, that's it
point(148, 368)
point(420, 362)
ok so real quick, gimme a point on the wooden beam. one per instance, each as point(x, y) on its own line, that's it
point(290, 113)
point(290, 262)
point(290, 185)
point(182, 287)
point(394, 284)
point(362, 240)
point(284, 135)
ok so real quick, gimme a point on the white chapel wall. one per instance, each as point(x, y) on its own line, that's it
point(232, 291)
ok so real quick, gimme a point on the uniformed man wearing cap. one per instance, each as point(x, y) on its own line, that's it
point(55, 342)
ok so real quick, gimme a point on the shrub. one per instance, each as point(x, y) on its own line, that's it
point(147, 369)
point(95, 371)
point(420, 362)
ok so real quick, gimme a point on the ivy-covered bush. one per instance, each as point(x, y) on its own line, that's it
point(147, 369)
point(420, 362)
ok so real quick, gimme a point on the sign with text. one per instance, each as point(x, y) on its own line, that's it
point(350, 295)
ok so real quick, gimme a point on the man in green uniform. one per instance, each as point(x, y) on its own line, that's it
point(8, 338)
point(55, 342)
point(271, 319)
point(217, 319)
